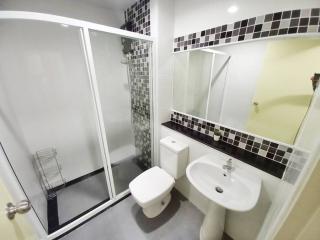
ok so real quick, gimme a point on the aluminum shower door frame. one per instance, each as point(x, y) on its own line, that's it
point(85, 28)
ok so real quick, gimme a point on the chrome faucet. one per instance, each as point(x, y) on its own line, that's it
point(228, 166)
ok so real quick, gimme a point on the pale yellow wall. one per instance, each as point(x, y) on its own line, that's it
point(303, 222)
point(17, 229)
point(284, 88)
point(312, 230)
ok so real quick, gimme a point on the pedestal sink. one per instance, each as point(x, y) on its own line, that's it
point(236, 191)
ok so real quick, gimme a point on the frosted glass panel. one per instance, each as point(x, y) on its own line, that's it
point(122, 68)
point(47, 120)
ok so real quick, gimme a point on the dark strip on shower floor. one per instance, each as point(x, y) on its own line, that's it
point(58, 219)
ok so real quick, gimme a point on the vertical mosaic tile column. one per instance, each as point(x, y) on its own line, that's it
point(139, 15)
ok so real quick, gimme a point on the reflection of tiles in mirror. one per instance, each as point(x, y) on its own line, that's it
point(299, 21)
point(79, 197)
point(283, 154)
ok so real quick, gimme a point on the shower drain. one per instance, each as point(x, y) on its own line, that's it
point(219, 189)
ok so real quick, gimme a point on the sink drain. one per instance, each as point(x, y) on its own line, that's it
point(219, 189)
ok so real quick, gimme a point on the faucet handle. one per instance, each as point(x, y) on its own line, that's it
point(229, 161)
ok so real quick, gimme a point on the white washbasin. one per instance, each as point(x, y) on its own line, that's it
point(241, 189)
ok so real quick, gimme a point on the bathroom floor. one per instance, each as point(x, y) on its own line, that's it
point(125, 221)
point(78, 198)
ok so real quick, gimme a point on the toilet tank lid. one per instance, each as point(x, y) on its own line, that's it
point(173, 144)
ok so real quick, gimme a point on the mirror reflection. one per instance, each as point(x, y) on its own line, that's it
point(262, 87)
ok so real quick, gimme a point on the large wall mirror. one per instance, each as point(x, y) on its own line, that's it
point(262, 87)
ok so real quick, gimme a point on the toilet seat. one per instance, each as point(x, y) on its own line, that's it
point(150, 186)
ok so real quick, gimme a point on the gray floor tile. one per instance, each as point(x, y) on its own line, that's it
point(79, 197)
point(125, 221)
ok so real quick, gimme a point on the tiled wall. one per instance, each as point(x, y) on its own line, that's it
point(139, 14)
point(264, 148)
point(295, 165)
point(283, 154)
point(274, 24)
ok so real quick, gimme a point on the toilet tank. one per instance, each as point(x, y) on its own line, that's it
point(173, 156)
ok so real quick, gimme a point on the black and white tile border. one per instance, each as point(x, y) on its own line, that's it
point(300, 21)
point(284, 154)
point(264, 148)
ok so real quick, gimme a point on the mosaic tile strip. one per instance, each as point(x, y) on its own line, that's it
point(293, 159)
point(270, 150)
point(295, 165)
point(273, 168)
point(139, 15)
point(138, 59)
point(300, 21)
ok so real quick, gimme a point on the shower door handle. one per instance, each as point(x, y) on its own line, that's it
point(21, 207)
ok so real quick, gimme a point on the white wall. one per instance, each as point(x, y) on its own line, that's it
point(162, 30)
point(194, 16)
point(281, 196)
point(236, 222)
point(79, 9)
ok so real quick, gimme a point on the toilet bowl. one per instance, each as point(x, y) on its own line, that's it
point(151, 189)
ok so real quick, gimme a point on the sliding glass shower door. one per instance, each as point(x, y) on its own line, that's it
point(75, 112)
point(122, 68)
point(48, 122)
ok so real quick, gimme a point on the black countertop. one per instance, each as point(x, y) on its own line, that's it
point(269, 166)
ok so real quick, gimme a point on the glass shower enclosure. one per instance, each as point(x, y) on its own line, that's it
point(75, 112)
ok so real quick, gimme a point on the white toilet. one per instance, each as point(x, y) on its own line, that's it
point(151, 189)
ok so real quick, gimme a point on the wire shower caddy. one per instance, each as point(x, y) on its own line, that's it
point(49, 171)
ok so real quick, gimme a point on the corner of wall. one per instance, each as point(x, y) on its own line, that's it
point(162, 16)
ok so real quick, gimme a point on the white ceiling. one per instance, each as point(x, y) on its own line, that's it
point(113, 4)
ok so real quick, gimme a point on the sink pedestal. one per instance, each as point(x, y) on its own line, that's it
point(213, 223)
